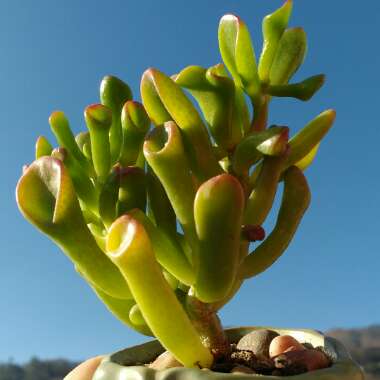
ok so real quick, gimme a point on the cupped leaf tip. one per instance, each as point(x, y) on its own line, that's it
point(45, 193)
point(98, 116)
point(120, 236)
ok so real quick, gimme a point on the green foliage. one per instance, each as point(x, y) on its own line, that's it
point(154, 217)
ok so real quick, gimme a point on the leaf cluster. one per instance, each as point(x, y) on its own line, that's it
point(156, 203)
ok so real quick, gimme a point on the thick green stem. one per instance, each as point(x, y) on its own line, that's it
point(260, 118)
point(205, 320)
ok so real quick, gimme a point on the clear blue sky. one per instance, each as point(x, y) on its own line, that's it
point(53, 56)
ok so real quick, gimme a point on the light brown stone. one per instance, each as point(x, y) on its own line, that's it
point(164, 361)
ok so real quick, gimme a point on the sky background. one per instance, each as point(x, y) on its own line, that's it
point(53, 56)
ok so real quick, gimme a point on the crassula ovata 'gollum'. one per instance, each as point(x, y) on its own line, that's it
point(156, 204)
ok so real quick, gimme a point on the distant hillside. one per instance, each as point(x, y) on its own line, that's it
point(364, 346)
point(36, 369)
point(363, 343)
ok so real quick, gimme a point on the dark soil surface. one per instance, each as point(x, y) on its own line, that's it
point(240, 360)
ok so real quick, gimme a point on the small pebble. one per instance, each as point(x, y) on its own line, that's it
point(257, 341)
point(310, 359)
point(242, 369)
point(164, 361)
point(282, 343)
point(295, 348)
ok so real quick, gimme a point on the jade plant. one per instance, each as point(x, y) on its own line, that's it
point(158, 203)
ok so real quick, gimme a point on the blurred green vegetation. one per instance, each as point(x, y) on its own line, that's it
point(36, 369)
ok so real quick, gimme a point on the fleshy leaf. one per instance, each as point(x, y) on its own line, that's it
point(273, 27)
point(303, 90)
point(136, 316)
point(159, 90)
point(109, 196)
point(165, 153)
point(160, 209)
point(113, 94)
point(237, 51)
point(82, 183)
point(215, 95)
point(132, 190)
point(135, 124)
point(218, 212)
point(308, 137)
point(84, 142)
point(306, 161)
point(46, 197)
point(43, 147)
point(130, 248)
point(124, 190)
point(261, 199)
point(289, 56)
point(295, 201)
point(168, 252)
point(303, 142)
point(271, 142)
point(98, 120)
point(62, 132)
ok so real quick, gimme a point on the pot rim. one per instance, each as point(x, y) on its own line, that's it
point(129, 363)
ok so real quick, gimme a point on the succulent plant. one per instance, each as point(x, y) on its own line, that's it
point(159, 220)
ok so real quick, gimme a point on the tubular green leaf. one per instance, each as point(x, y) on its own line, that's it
point(171, 280)
point(47, 199)
point(307, 138)
point(132, 190)
point(62, 132)
point(135, 315)
point(84, 142)
point(113, 94)
point(218, 212)
point(303, 143)
point(43, 147)
point(271, 142)
point(261, 199)
point(99, 234)
point(273, 27)
point(135, 124)
point(167, 251)
point(124, 190)
point(246, 61)
point(129, 247)
point(304, 90)
point(238, 55)
point(87, 150)
point(306, 161)
point(108, 198)
point(164, 151)
point(295, 201)
point(242, 110)
point(180, 109)
point(82, 183)
point(160, 209)
point(152, 101)
point(215, 95)
point(98, 120)
point(289, 56)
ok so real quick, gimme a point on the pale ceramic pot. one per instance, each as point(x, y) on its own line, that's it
point(128, 364)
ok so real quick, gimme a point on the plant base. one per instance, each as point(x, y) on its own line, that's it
point(128, 364)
